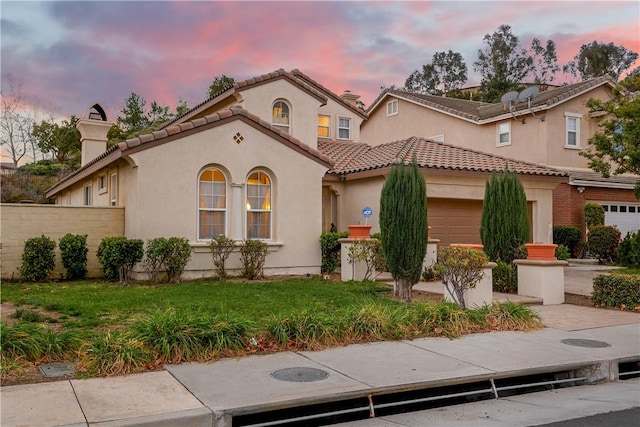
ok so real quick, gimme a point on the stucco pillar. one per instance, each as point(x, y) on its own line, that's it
point(541, 279)
point(431, 256)
point(482, 293)
point(237, 222)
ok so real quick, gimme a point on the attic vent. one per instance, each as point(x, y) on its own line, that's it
point(238, 138)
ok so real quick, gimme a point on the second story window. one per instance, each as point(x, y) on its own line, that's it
point(392, 107)
point(324, 126)
point(344, 128)
point(281, 116)
point(504, 133)
point(88, 193)
point(573, 130)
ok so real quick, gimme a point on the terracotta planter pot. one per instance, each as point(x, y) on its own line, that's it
point(541, 251)
point(359, 231)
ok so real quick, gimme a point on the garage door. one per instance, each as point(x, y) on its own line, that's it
point(454, 221)
point(625, 216)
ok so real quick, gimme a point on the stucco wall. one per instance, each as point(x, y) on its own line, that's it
point(22, 222)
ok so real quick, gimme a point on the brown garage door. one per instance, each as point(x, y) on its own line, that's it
point(454, 221)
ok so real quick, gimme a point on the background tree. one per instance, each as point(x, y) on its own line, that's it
point(62, 141)
point(598, 59)
point(615, 149)
point(544, 61)
point(181, 107)
point(503, 64)
point(504, 225)
point(133, 116)
point(403, 223)
point(219, 84)
point(447, 72)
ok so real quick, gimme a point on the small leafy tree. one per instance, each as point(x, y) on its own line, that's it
point(170, 255)
point(603, 243)
point(155, 257)
point(593, 214)
point(221, 247)
point(38, 258)
point(403, 223)
point(461, 270)
point(504, 225)
point(73, 248)
point(118, 256)
point(370, 252)
point(253, 254)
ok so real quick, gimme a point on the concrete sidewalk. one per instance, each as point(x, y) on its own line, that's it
point(212, 394)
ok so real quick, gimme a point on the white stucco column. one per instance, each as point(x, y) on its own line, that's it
point(431, 256)
point(541, 279)
point(237, 222)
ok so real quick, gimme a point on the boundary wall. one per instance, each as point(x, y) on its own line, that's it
point(20, 222)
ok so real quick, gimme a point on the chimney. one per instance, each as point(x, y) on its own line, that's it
point(93, 127)
point(350, 97)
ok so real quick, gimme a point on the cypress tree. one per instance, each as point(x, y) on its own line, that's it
point(505, 223)
point(403, 223)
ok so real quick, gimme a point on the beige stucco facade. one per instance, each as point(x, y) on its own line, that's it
point(536, 141)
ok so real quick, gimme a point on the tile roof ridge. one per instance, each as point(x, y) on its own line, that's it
point(296, 72)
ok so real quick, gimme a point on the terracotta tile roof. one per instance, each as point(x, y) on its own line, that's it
point(479, 111)
point(245, 84)
point(141, 142)
point(429, 154)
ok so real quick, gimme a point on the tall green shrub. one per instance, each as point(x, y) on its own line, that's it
point(74, 250)
point(118, 256)
point(603, 243)
point(593, 214)
point(330, 248)
point(568, 236)
point(38, 258)
point(504, 224)
point(629, 250)
point(403, 223)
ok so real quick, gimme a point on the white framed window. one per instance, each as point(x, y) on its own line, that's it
point(259, 207)
point(114, 189)
point(324, 126)
point(102, 184)
point(88, 195)
point(572, 139)
point(503, 134)
point(344, 128)
point(281, 116)
point(392, 108)
point(437, 138)
point(212, 204)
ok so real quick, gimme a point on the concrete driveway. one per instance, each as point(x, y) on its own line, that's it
point(578, 278)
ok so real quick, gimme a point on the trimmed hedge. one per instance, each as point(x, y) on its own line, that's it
point(617, 290)
point(629, 250)
point(38, 258)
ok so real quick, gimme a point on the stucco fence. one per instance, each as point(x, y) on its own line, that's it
point(20, 222)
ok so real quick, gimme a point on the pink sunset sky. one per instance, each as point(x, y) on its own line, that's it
point(69, 55)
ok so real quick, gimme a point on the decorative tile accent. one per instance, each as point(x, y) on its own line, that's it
point(238, 138)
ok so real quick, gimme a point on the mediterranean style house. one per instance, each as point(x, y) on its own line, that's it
point(550, 129)
point(280, 158)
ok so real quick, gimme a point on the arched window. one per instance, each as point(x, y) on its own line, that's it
point(212, 209)
point(281, 116)
point(258, 206)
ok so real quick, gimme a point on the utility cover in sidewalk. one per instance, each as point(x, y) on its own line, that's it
point(579, 342)
point(57, 370)
point(300, 375)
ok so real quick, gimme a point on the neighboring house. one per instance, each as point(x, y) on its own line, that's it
point(278, 158)
point(550, 130)
point(8, 168)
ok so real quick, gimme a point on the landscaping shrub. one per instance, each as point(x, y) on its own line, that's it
point(307, 330)
point(629, 250)
point(603, 243)
point(115, 353)
point(562, 253)
point(170, 255)
point(370, 252)
point(33, 342)
point(505, 277)
point(429, 274)
point(73, 248)
point(460, 269)
point(567, 236)
point(118, 256)
point(221, 247)
point(253, 255)
point(38, 258)
point(504, 225)
point(593, 214)
point(617, 290)
point(330, 248)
